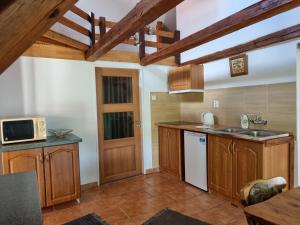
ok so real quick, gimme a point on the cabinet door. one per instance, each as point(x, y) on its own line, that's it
point(247, 164)
point(179, 79)
point(26, 161)
point(163, 148)
point(174, 146)
point(62, 173)
point(220, 164)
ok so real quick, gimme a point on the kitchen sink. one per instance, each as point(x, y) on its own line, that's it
point(260, 133)
point(231, 130)
point(251, 134)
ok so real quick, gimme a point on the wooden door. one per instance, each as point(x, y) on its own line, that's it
point(220, 164)
point(118, 123)
point(163, 148)
point(62, 173)
point(174, 146)
point(26, 161)
point(247, 164)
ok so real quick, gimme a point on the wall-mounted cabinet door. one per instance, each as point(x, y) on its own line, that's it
point(247, 164)
point(62, 173)
point(220, 164)
point(26, 161)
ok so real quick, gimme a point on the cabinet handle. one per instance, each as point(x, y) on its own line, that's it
point(229, 149)
point(233, 148)
point(47, 157)
point(41, 158)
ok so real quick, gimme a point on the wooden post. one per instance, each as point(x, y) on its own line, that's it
point(159, 26)
point(93, 33)
point(142, 48)
point(177, 38)
point(102, 26)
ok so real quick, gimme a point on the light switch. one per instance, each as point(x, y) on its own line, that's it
point(153, 97)
point(216, 104)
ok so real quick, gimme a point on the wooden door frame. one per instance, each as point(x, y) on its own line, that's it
point(100, 127)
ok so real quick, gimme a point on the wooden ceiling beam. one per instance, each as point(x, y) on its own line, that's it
point(65, 40)
point(79, 12)
point(23, 22)
point(142, 14)
point(270, 39)
point(246, 17)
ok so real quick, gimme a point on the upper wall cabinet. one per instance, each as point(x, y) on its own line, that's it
point(186, 79)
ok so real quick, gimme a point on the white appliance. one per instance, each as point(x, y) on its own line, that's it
point(16, 130)
point(195, 158)
point(207, 118)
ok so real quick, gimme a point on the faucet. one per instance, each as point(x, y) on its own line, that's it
point(256, 119)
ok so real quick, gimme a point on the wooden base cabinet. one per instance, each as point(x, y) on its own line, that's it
point(26, 161)
point(62, 174)
point(232, 163)
point(57, 170)
point(220, 165)
point(170, 154)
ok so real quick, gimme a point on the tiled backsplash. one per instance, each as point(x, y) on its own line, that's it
point(275, 103)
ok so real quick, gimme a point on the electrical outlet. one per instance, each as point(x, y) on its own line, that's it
point(216, 103)
point(153, 97)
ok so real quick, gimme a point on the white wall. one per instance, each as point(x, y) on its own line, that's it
point(269, 65)
point(64, 91)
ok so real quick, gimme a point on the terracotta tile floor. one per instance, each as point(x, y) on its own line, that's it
point(134, 200)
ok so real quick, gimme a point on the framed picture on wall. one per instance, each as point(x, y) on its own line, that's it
point(238, 65)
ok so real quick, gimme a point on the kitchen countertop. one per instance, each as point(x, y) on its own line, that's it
point(51, 141)
point(20, 202)
point(190, 126)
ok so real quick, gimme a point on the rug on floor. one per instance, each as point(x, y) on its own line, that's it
point(90, 219)
point(170, 217)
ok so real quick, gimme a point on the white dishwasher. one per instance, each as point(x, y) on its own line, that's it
point(195, 158)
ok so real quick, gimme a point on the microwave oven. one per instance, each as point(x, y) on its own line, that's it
point(16, 130)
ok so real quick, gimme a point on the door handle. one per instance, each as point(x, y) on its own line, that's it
point(138, 123)
point(47, 157)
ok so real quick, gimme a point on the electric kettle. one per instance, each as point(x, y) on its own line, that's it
point(207, 118)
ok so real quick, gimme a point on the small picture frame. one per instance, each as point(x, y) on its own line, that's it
point(238, 65)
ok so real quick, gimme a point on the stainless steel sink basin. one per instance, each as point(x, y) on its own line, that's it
point(261, 133)
point(251, 134)
point(231, 130)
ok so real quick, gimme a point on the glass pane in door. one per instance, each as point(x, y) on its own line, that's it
point(117, 90)
point(118, 125)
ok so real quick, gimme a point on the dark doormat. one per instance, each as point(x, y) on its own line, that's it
point(90, 219)
point(170, 217)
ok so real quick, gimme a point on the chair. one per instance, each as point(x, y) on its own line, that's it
point(261, 190)
point(19, 200)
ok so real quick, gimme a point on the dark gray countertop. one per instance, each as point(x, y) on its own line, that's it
point(19, 200)
point(51, 141)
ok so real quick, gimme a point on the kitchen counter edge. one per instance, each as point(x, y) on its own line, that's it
point(51, 141)
point(192, 127)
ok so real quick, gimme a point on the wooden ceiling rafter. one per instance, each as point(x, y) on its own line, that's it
point(141, 15)
point(255, 13)
point(65, 40)
point(284, 35)
point(27, 27)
